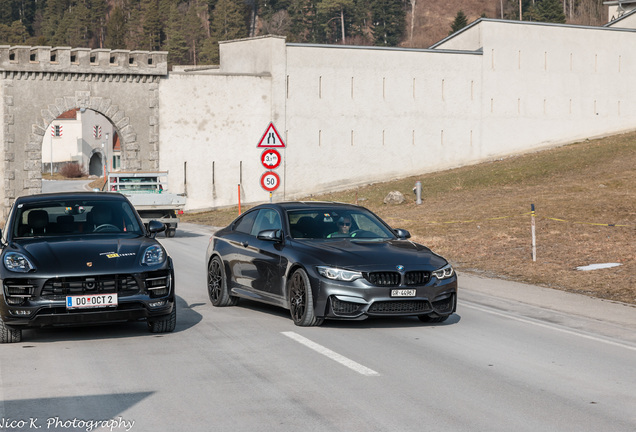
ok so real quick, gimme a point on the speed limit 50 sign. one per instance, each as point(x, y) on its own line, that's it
point(270, 181)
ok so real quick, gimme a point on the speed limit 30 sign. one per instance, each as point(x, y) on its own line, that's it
point(270, 181)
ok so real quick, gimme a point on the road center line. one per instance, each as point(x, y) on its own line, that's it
point(357, 367)
point(551, 326)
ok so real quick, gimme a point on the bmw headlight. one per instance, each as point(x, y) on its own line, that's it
point(153, 255)
point(444, 273)
point(17, 262)
point(338, 274)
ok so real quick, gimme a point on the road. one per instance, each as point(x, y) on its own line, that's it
point(514, 358)
point(65, 185)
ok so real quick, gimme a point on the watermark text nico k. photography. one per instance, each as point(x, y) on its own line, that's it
point(57, 423)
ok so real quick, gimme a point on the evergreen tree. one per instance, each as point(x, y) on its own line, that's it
point(52, 28)
point(151, 25)
point(177, 45)
point(6, 12)
point(459, 23)
point(195, 29)
point(135, 35)
point(115, 37)
point(549, 11)
point(228, 23)
point(388, 22)
point(335, 18)
point(77, 24)
point(304, 26)
point(228, 20)
point(98, 22)
point(14, 34)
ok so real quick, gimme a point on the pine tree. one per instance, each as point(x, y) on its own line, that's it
point(77, 23)
point(304, 26)
point(228, 20)
point(335, 11)
point(6, 12)
point(14, 34)
point(134, 35)
point(116, 30)
point(97, 17)
point(549, 11)
point(52, 28)
point(151, 25)
point(177, 45)
point(388, 22)
point(195, 29)
point(459, 23)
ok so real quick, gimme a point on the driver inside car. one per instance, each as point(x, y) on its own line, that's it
point(344, 225)
point(101, 217)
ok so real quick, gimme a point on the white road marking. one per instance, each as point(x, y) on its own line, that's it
point(362, 370)
point(551, 326)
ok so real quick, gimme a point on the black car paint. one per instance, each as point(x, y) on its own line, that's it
point(74, 259)
point(258, 267)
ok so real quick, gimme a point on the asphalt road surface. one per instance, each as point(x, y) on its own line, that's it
point(65, 185)
point(514, 358)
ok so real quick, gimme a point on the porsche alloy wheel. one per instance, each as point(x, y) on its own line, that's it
point(217, 285)
point(301, 303)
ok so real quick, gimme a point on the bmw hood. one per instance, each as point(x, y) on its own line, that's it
point(81, 256)
point(376, 255)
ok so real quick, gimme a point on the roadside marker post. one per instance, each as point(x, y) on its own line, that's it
point(534, 236)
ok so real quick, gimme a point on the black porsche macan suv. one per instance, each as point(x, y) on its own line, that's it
point(79, 258)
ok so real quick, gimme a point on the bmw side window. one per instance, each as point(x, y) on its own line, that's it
point(267, 219)
point(246, 223)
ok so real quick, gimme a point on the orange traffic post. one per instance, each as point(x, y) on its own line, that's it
point(239, 198)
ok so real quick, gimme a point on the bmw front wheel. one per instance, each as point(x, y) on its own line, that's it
point(217, 285)
point(301, 302)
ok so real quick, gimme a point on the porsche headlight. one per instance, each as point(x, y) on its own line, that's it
point(17, 262)
point(444, 273)
point(338, 274)
point(153, 255)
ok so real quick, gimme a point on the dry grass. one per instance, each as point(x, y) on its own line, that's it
point(478, 216)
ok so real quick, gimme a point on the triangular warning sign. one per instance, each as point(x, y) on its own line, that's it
point(271, 138)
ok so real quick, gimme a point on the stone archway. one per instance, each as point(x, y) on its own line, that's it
point(37, 84)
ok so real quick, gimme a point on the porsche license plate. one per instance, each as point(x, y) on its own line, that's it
point(91, 301)
point(403, 293)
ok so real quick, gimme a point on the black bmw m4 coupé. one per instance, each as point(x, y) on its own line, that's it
point(327, 260)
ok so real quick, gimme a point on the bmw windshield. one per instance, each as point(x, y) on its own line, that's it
point(329, 223)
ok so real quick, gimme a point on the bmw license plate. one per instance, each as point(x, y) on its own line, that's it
point(403, 293)
point(91, 301)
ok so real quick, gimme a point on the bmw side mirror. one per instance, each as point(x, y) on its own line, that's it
point(274, 235)
point(155, 227)
point(402, 234)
